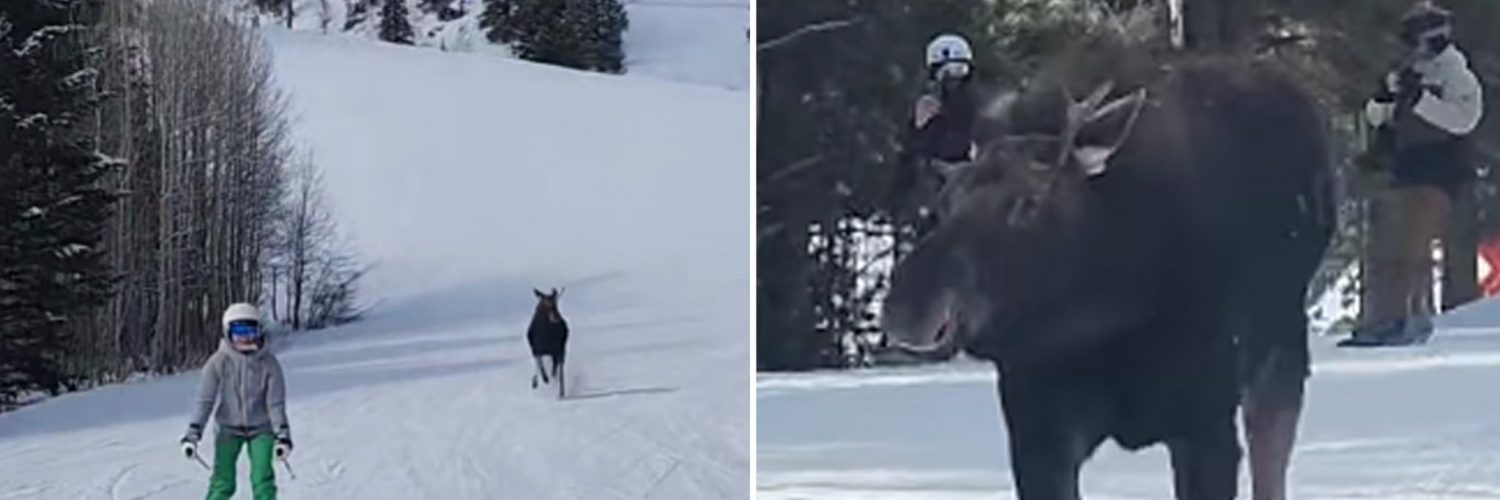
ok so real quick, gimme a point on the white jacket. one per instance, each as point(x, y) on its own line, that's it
point(1458, 105)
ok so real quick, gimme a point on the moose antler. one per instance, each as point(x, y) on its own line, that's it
point(1081, 113)
point(1137, 101)
point(1090, 110)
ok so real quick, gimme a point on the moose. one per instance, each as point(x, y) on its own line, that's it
point(548, 336)
point(1135, 264)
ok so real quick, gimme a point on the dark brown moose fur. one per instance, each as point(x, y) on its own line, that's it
point(1133, 298)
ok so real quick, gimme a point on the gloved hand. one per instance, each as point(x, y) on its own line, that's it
point(1385, 91)
point(928, 107)
point(189, 448)
point(283, 448)
point(1408, 87)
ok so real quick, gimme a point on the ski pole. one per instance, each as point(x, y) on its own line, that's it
point(288, 466)
point(199, 459)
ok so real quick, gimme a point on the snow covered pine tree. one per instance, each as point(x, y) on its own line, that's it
point(52, 208)
point(395, 27)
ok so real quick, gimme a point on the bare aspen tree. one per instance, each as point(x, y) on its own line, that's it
point(314, 275)
point(208, 193)
point(204, 132)
point(306, 227)
point(106, 344)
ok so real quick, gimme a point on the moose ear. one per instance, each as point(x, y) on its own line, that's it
point(538, 293)
point(1105, 130)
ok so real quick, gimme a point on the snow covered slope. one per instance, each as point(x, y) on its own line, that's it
point(692, 41)
point(1408, 423)
point(468, 180)
point(695, 41)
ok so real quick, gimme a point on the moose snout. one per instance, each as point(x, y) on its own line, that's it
point(927, 328)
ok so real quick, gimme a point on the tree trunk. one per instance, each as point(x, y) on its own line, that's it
point(1218, 25)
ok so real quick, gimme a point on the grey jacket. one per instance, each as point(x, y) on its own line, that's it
point(249, 391)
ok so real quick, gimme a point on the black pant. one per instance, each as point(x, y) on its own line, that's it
point(1443, 165)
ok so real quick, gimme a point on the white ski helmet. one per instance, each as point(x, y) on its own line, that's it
point(240, 312)
point(948, 48)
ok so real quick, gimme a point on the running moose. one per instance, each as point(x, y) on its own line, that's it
point(548, 336)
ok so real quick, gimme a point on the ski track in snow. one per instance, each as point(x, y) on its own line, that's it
point(469, 179)
point(1380, 424)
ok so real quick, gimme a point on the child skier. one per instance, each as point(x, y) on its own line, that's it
point(244, 381)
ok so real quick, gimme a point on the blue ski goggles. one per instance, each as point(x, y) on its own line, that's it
point(244, 330)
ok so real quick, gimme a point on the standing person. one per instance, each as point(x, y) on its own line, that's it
point(1423, 114)
point(244, 381)
point(943, 117)
point(940, 136)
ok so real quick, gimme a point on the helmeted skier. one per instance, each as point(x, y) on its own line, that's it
point(943, 117)
point(244, 388)
point(1423, 114)
point(940, 136)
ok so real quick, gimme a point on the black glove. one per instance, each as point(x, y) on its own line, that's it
point(1408, 88)
point(1384, 94)
point(283, 447)
point(189, 441)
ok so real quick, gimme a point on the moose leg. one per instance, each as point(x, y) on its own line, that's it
point(557, 373)
point(1270, 431)
point(1277, 362)
point(1273, 401)
point(1205, 464)
point(1205, 448)
point(539, 371)
point(1048, 443)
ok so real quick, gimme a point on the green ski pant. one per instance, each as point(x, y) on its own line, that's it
point(227, 454)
